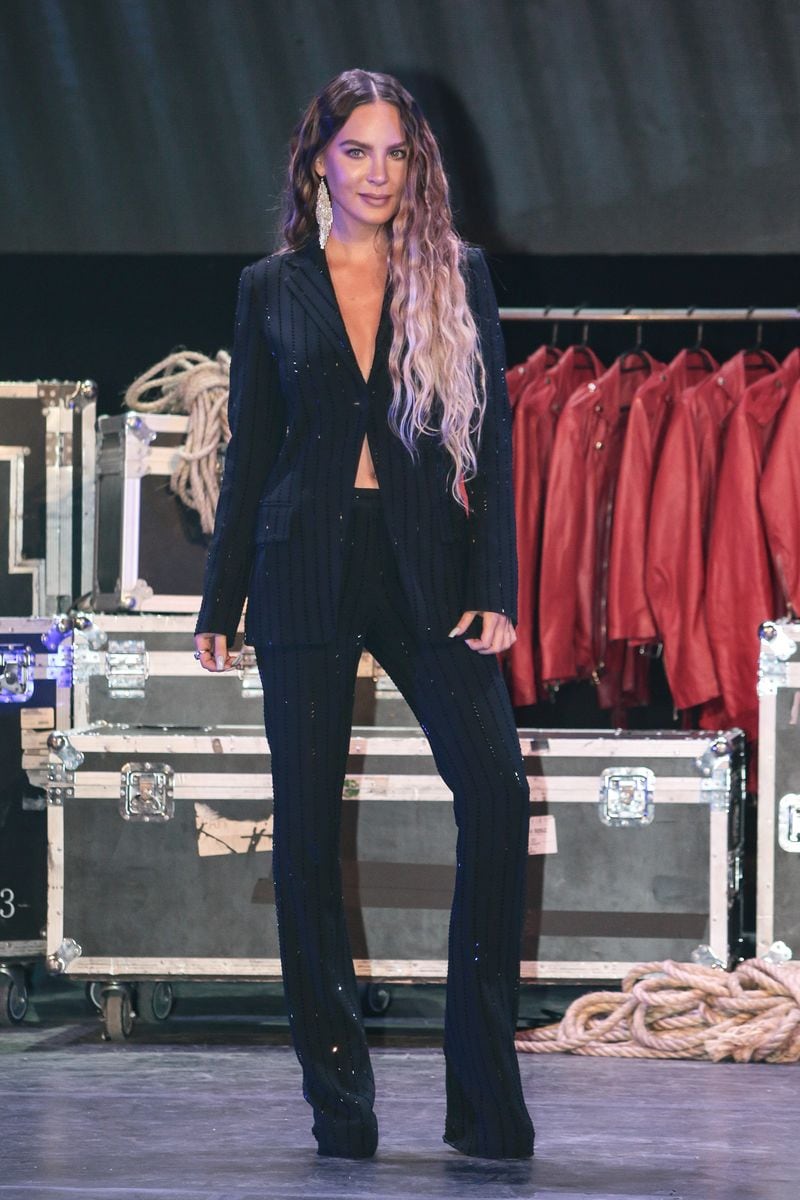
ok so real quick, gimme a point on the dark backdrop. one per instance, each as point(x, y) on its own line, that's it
point(604, 151)
point(568, 126)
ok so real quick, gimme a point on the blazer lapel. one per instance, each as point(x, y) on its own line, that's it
point(310, 283)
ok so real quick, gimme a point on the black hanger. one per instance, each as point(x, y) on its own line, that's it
point(756, 355)
point(553, 354)
point(698, 349)
point(581, 349)
point(636, 352)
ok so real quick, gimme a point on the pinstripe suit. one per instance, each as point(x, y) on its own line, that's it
point(330, 570)
point(299, 410)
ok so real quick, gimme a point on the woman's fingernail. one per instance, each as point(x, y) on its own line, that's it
point(220, 662)
point(453, 632)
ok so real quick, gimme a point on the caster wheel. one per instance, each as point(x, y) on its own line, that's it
point(13, 999)
point(94, 995)
point(375, 999)
point(154, 1001)
point(117, 1016)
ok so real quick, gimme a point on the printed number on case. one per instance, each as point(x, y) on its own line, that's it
point(7, 905)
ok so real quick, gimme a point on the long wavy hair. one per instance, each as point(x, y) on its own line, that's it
point(437, 372)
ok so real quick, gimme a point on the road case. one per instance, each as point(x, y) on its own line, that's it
point(138, 669)
point(160, 853)
point(35, 675)
point(46, 495)
point(778, 853)
point(150, 551)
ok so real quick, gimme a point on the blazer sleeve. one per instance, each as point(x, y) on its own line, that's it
point(492, 572)
point(255, 416)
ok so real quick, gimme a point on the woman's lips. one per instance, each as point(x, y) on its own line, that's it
point(375, 201)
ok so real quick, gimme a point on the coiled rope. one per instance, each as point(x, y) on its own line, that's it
point(191, 383)
point(684, 1010)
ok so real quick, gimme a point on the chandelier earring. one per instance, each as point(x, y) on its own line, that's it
point(324, 212)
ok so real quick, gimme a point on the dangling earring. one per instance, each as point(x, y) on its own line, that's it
point(324, 212)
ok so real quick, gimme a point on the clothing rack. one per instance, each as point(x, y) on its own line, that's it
point(695, 315)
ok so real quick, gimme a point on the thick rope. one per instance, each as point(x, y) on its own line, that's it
point(684, 1010)
point(191, 383)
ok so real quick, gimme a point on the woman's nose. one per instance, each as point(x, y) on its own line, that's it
point(377, 171)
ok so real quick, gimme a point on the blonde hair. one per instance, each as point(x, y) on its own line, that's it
point(437, 372)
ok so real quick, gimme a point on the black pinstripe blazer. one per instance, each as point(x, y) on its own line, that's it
point(299, 409)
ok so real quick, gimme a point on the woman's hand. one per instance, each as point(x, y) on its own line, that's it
point(497, 632)
point(213, 651)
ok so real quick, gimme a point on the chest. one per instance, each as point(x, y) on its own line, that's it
point(359, 296)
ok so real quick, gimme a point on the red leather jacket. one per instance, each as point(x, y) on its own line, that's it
point(519, 376)
point(573, 591)
point(741, 589)
point(779, 493)
point(680, 522)
point(629, 614)
point(536, 413)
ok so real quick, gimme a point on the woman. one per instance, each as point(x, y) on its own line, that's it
point(367, 403)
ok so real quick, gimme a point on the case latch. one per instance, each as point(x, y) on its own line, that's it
point(627, 796)
point(127, 669)
point(16, 674)
point(146, 792)
point(789, 823)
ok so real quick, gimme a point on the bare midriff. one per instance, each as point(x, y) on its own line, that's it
point(365, 475)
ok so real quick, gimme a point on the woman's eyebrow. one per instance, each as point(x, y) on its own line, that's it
point(366, 145)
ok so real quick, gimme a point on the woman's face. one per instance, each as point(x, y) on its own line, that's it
point(365, 167)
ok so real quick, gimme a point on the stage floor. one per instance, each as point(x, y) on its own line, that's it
point(211, 1109)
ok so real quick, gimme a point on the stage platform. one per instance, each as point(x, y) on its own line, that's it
point(209, 1107)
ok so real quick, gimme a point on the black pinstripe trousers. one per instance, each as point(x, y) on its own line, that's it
point(462, 704)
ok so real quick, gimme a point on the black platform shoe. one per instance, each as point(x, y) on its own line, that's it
point(346, 1139)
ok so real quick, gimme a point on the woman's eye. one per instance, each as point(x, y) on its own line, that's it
point(354, 152)
point(399, 153)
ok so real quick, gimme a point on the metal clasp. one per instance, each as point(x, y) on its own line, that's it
point(127, 669)
point(789, 823)
point(627, 796)
point(146, 792)
point(16, 674)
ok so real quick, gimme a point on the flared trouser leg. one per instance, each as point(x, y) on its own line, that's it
point(462, 704)
point(308, 701)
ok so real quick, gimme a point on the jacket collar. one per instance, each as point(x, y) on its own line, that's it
point(309, 280)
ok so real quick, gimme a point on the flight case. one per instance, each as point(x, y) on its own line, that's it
point(47, 446)
point(160, 855)
point(150, 551)
point(35, 676)
point(138, 669)
point(778, 854)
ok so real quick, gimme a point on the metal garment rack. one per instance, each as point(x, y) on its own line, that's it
point(639, 315)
